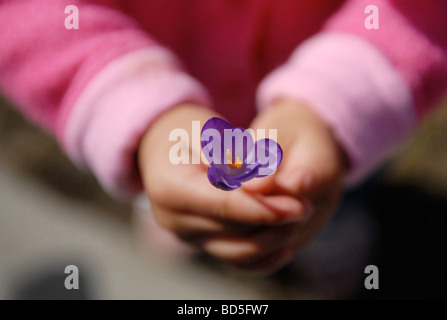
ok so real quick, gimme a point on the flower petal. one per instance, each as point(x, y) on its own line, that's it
point(219, 179)
point(250, 171)
point(233, 155)
point(240, 142)
point(212, 139)
point(268, 156)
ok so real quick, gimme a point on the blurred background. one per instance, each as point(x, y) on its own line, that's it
point(53, 215)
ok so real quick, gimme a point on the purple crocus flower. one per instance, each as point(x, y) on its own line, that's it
point(234, 156)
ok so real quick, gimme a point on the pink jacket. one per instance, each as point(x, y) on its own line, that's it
point(98, 88)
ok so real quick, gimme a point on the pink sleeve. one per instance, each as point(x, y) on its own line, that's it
point(96, 88)
point(371, 86)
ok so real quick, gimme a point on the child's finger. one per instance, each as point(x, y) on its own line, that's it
point(305, 168)
point(284, 204)
point(199, 196)
point(185, 223)
point(267, 265)
point(191, 225)
point(247, 249)
point(260, 185)
point(295, 179)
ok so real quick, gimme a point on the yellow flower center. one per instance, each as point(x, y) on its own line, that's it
point(236, 165)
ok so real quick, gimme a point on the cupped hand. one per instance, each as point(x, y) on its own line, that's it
point(312, 169)
point(254, 231)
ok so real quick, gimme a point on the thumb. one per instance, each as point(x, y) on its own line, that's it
point(298, 174)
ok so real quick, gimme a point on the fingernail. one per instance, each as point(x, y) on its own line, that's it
point(283, 204)
point(258, 185)
point(298, 181)
point(289, 182)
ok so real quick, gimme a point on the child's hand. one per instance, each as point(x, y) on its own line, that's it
point(249, 231)
point(311, 169)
